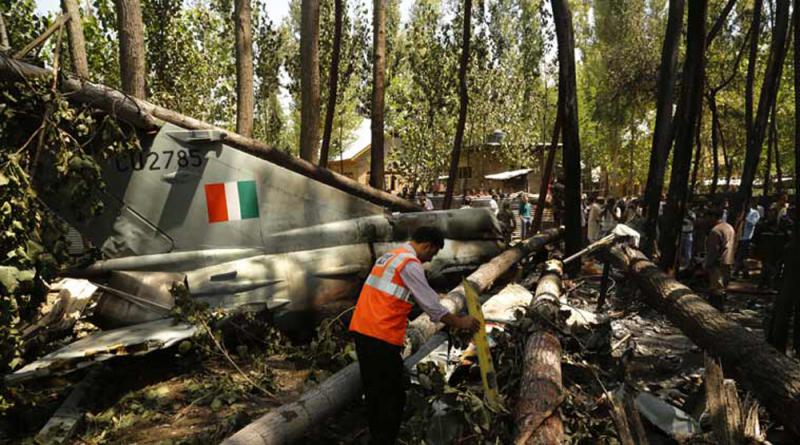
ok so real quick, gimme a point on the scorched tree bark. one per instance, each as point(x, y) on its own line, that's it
point(568, 109)
point(686, 120)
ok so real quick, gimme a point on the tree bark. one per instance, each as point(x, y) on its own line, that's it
point(568, 109)
point(776, 147)
point(147, 116)
point(4, 45)
point(547, 177)
point(715, 132)
point(724, 408)
point(720, 22)
point(772, 377)
point(698, 151)
point(288, 423)
point(309, 80)
point(541, 390)
point(769, 91)
point(752, 60)
point(77, 43)
point(686, 120)
point(765, 187)
point(377, 149)
point(333, 84)
point(245, 93)
point(463, 102)
point(662, 134)
point(131, 48)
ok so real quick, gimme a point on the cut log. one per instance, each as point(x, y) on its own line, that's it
point(290, 422)
point(146, 116)
point(541, 392)
point(771, 376)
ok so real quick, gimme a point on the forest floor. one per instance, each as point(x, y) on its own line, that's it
point(179, 397)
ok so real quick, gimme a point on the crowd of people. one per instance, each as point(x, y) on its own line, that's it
point(708, 240)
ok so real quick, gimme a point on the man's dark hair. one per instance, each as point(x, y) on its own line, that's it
point(715, 212)
point(429, 235)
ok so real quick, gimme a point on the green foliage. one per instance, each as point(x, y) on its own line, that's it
point(54, 159)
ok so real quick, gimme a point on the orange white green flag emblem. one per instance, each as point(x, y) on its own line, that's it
point(231, 201)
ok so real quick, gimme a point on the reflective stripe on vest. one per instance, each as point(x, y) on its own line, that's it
point(384, 283)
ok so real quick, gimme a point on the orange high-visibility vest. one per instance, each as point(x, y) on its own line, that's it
point(385, 301)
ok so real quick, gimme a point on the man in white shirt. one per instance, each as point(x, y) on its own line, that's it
point(593, 220)
point(750, 221)
point(687, 238)
point(493, 204)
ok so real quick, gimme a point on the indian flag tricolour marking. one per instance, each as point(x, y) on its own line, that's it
point(231, 201)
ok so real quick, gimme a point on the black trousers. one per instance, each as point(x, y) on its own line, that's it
point(384, 387)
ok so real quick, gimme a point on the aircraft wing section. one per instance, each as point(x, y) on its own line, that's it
point(102, 345)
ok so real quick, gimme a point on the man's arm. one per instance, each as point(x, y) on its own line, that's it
point(414, 277)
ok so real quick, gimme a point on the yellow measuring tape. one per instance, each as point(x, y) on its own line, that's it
point(488, 376)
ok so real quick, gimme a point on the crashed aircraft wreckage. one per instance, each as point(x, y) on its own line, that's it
point(241, 232)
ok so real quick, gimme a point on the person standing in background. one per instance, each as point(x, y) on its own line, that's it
point(593, 220)
point(719, 258)
point(525, 216)
point(687, 238)
point(743, 252)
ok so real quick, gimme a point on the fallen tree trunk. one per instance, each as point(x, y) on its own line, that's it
point(422, 327)
point(147, 116)
point(541, 392)
point(771, 376)
point(289, 423)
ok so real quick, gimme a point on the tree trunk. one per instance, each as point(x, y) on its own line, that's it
point(547, 178)
point(720, 22)
point(769, 91)
point(423, 327)
point(288, 423)
point(463, 102)
point(4, 45)
point(686, 120)
point(147, 116)
point(715, 131)
point(131, 48)
point(772, 377)
point(770, 148)
point(77, 43)
point(698, 152)
point(333, 84)
point(662, 134)
point(568, 109)
point(309, 80)
point(244, 68)
point(541, 390)
point(376, 151)
point(752, 60)
point(776, 147)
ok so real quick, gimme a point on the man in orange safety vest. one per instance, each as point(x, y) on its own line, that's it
point(396, 282)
